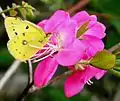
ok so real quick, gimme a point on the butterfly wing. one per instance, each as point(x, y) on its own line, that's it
point(25, 38)
point(15, 26)
point(12, 26)
point(25, 46)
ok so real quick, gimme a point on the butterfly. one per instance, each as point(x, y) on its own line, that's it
point(25, 38)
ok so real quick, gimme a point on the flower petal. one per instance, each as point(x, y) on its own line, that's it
point(55, 20)
point(97, 30)
point(42, 23)
point(81, 17)
point(93, 44)
point(67, 32)
point(73, 85)
point(44, 71)
point(71, 54)
point(92, 21)
point(89, 73)
point(100, 74)
point(76, 81)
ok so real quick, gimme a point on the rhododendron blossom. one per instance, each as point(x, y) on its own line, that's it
point(67, 49)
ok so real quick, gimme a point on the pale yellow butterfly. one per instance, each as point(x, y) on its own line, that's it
point(26, 39)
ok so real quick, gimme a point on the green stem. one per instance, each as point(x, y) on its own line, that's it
point(17, 7)
point(114, 72)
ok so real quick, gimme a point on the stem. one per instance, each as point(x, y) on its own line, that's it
point(60, 76)
point(17, 7)
point(112, 49)
point(24, 94)
point(78, 6)
point(9, 73)
point(30, 72)
point(1, 10)
point(114, 72)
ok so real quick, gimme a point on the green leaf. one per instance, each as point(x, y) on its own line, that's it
point(103, 60)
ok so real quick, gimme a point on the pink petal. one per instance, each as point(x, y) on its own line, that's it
point(81, 17)
point(89, 73)
point(55, 20)
point(42, 23)
point(100, 74)
point(76, 81)
point(44, 71)
point(71, 54)
point(73, 85)
point(67, 32)
point(93, 44)
point(92, 21)
point(97, 30)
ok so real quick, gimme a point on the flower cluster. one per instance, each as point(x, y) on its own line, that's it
point(73, 42)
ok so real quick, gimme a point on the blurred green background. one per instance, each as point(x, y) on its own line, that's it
point(106, 89)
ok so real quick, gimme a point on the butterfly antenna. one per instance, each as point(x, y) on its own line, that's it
point(2, 13)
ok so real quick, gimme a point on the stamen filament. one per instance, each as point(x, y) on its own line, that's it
point(89, 82)
point(40, 54)
point(34, 61)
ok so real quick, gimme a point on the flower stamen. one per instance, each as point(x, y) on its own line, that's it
point(89, 82)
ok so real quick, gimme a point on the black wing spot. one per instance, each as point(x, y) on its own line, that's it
point(13, 29)
point(16, 49)
point(14, 41)
point(16, 33)
point(27, 27)
point(23, 34)
point(19, 52)
point(24, 55)
point(40, 41)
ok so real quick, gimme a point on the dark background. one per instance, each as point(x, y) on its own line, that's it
point(106, 89)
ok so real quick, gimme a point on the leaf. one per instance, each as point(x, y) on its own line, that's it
point(103, 60)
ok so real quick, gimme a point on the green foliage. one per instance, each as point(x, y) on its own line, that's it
point(103, 60)
point(111, 8)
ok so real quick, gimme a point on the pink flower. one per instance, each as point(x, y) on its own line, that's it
point(94, 27)
point(67, 50)
point(76, 81)
point(94, 33)
point(92, 39)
